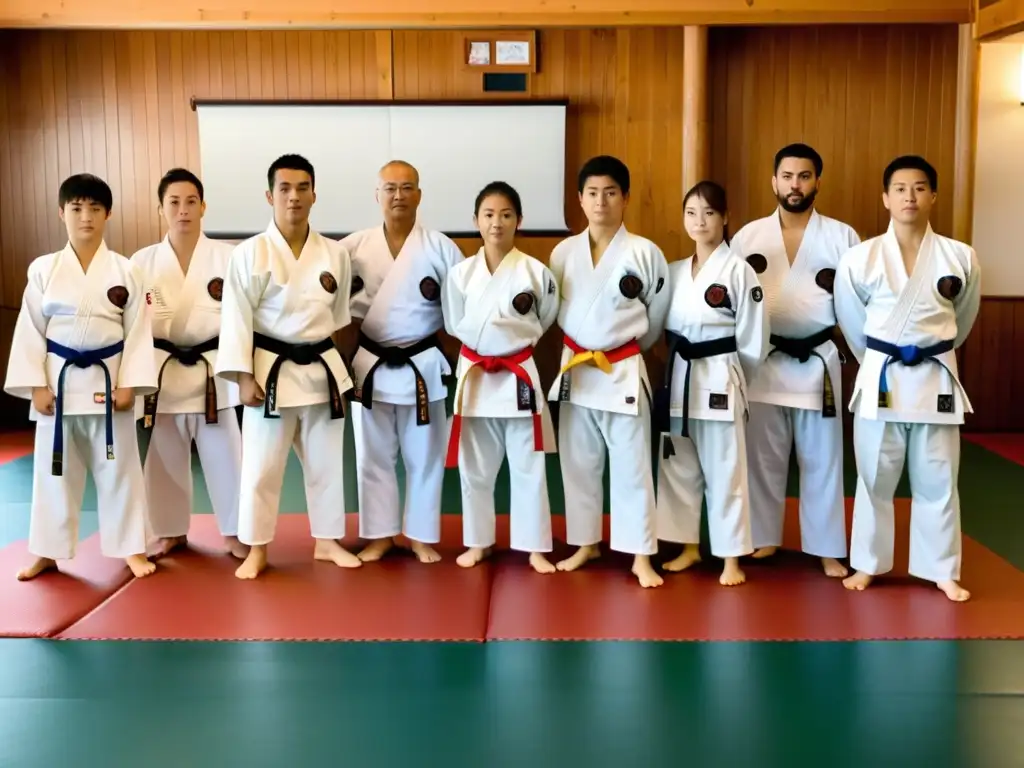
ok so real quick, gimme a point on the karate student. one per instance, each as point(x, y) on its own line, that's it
point(795, 252)
point(614, 299)
point(499, 303)
point(82, 350)
point(285, 292)
point(398, 268)
point(184, 274)
point(906, 300)
point(718, 328)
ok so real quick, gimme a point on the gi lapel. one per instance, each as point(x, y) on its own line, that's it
point(180, 288)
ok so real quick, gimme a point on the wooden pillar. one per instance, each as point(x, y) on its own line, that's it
point(966, 133)
point(696, 143)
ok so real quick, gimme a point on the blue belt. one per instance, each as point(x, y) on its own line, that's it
point(81, 359)
point(909, 355)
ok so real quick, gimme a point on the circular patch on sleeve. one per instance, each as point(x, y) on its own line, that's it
point(825, 279)
point(118, 296)
point(630, 286)
point(717, 296)
point(757, 262)
point(756, 293)
point(429, 289)
point(215, 288)
point(357, 284)
point(328, 283)
point(523, 303)
point(949, 287)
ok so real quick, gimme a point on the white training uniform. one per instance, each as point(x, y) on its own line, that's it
point(281, 311)
point(499, 404)
point(65, 310)
point(792, 401)
point(401, 406)
point(192, 403)
point(606, 312)
point(938, 303)
point(717, 332)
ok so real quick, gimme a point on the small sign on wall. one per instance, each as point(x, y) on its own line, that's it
point(510, 51)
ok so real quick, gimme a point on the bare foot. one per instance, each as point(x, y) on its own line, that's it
point(140, 565)
point(833, 568)
point(732, 576)
point(472, 556)
point(330, 551)
point(580, 557)
point(168, 544)
point(859, 581)
point(954, 591)
point(763, 552)
point(645, 573)
point(425, 552)
point(254, 563)
point(236, 548)
point(540, 563)
point(41, 565)
point(376, 549)
point(690, 556)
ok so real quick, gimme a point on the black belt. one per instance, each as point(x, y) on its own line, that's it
point(300, 354)
point(910, 356)
point(186, 356)
point(689, 351)
point(803, 349)
point(398, 357)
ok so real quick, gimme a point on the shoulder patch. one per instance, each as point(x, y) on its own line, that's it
point(825, 279)
point(949, 286)
point(757, 262)
point(523, 303)
point(756, 293)
point(630, 286)
point(327, 282)
point(717, 296)
point(429, 289)
point(215, 288)
point(118, 296)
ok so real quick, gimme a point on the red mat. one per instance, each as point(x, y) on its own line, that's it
point(14, 445)
point(1009, 446)
point(53, 601)
point(195, 596)
point(785, 598)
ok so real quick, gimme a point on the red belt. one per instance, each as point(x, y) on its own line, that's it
point(511, 363)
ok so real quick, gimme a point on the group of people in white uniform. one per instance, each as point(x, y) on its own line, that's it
point(186, 330)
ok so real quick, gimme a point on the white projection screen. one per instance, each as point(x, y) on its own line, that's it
point(458, 148)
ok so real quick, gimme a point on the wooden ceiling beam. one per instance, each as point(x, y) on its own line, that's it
point(999, 19)
point(273, 14)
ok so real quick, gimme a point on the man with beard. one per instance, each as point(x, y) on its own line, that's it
point(793, 399)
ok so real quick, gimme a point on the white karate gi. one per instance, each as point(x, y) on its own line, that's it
point(717, 320)
point(792, 403)
point(297, 304)
point(83, 312)
point(938, 303)
point(499, 404)
point(192, 404)
point(609, 313)
point(401, 407)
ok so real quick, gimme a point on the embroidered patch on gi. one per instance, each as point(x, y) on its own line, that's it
point(215, 288)
point(551, 287)
point(718, 401)
point(630, 400)
point(825, 279)
point(717, 296)
point(118, 296)
point(949, 287)
point(945, 404)
point(756, 293)
point(100, 398)
point(357, 284)
point(757, 262)
point(630, 286)
point(523, 303)
point(524, 396)
point(149, 298)
point(328, 283)
point(660, 285)
point(429, 289)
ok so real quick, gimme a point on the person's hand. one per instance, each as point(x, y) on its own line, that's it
point(124, 399)
point(43, 400)
point(249, 392)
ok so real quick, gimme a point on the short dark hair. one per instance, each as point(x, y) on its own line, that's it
point(911, 163)
point(290, 163)
point(605, 165)
point(174, 176)
point(714, 195)
point(504, 189)
point(800, 152)
point(84, 187)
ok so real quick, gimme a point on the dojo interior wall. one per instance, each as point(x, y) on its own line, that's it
point(117, 103)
